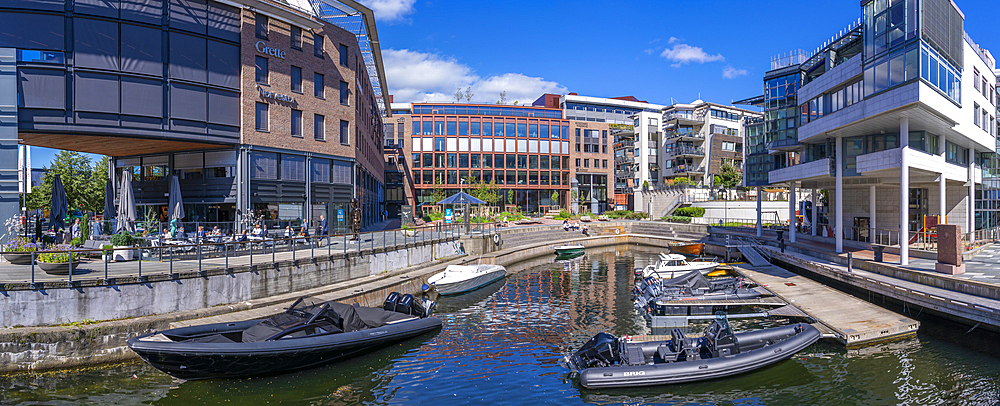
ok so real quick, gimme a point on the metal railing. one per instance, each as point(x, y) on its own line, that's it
point(170, 257)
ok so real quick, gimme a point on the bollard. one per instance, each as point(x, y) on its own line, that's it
point(850, 262)
point(781, 245)
point(878, 252)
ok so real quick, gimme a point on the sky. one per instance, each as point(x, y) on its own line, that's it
point(658, 51)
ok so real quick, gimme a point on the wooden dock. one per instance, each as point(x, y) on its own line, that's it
point(855, 321)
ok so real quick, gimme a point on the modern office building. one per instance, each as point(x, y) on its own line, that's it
point(892, 117)
point(258, 106)
point(614, 120)
point(701, 138)
point(524, 150)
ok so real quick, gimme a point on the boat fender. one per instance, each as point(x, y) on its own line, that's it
point(618, 231)
point(496, 239)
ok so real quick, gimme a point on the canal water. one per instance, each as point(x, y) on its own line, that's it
point(503, 344)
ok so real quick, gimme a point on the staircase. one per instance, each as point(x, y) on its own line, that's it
point(664, 203)
point(752, 252)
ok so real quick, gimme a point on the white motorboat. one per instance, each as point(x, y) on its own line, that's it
point(462, 278)
point(670, 266)
point(569, 249)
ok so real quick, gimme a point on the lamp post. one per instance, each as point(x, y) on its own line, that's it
point(725, 203)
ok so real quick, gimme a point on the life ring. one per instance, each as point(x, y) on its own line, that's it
point(496, 239)
point(618, 231)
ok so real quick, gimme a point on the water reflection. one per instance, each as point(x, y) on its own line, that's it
point(502, 345)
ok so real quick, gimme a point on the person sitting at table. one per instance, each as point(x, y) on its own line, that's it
point(201, 233)
point(304, 232)
point(257, 231)
point(181, 233)
point(288, 231)
point(166, 235)
point(216, 232)
point(245, 236)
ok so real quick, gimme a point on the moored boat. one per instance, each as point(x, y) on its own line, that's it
point(309, 333)
point(609, 362)
point(693, 249)
point(457, 279)
point(670, 266)
point(568, 249)
point(651, 293)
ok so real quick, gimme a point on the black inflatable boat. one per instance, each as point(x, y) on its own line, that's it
point(609, 362)
point(310, 333)
point(691, 286)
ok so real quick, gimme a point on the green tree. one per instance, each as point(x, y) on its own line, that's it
point(555, 197)
point(437, 193)
point(82, 179)
point(681, 181)
point(729, 177)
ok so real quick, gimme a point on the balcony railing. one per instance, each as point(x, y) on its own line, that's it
point(680, 134)
point(686, 151)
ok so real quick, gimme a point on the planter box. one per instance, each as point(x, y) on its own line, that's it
point(123, 254)
point(59, 268)
point(18, 258)
point(409, 233)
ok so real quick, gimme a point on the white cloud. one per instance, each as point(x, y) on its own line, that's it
point(390, 10)
point(729, 72)
point(684, 53)
point(416, 76)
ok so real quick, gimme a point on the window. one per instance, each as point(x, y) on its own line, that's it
point(578, 162)
point(260, 64)
point(296, 38)
point(261, 117)
point(318, 45)
point(261, 26)
point(604, 163)
point(345, 93)
point(343, 132)
point(296, 123)
point(320, 170)
point(975, 114)
point(296, 79)
point(319, 89)
point(653, 122)
point(263, 165)
point(728, 146)
point(343, 55)
point(319, 127)
point(293, 167)
point(975, 80)
point(586, 163)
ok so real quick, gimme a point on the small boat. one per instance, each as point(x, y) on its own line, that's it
point(457, 279)
point(693, 249)
point(609, 362)
point(569, 249)
point(569, 257)
point(670, 266)
point(310, 333)
point(651, 293)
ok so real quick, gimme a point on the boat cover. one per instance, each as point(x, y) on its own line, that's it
point(348, 318)
point(693, 280)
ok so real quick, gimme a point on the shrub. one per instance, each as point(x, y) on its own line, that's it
point(690, 211)
point(677, 219)
point(76, 242)
point(107, 248)
point(122, 240)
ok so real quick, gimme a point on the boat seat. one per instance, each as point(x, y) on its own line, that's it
point(666, 353)
point(634, 355)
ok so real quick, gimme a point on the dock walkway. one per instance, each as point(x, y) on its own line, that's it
point(855, 321)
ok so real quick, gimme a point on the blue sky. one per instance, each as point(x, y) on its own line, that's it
point(657, 51)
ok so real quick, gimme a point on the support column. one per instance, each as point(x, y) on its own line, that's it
point(815, 212)
point(871, 214)
point(9, 195)
point(942, 184)
point(792, 220)
point(972, 191)
point(759, 191)
point(904, 193)
point(838, 231)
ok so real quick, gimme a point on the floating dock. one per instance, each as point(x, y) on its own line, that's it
point(855, 322)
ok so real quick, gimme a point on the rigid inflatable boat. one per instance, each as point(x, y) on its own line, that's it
point(310, 333)
point(692, 286)
point(609, 362)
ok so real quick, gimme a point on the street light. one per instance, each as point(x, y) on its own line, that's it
point(725, 215)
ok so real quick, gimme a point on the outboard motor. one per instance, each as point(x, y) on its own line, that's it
point(600, 351)
point(390, 302)
point(404, 303)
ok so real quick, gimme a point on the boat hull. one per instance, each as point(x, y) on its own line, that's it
point(470, 284)
point(187, 360)
point(699, 370)
point(693, 249)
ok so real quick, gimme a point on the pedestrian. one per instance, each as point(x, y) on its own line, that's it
point(323, 227)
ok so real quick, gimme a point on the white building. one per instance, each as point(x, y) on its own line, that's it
point(893, 117)
point(699, 138)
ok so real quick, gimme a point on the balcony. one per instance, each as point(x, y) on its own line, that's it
point(686, 151)
point(784, 144)
point(818, 168)
point(682, 170)
point(684, 119)
point(683, 136)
